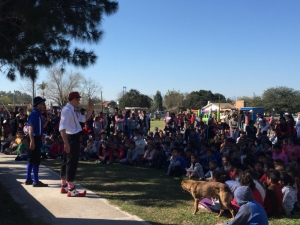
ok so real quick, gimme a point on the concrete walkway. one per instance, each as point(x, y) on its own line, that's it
point(54, 208)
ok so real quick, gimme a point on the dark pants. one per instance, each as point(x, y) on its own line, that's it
point(35, 155)
point(70, 162)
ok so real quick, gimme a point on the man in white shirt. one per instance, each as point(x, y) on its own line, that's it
point(70, 129)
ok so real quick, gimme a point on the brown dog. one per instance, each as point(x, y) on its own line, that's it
point(203, 189)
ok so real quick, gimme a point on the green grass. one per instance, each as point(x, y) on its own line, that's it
point(13, 214)
point(157, 123)
point(147, 193)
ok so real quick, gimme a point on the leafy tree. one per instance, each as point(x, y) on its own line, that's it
point(173, 99)
point(6, 100)
point(281, 100)
point(198, 99)
point(38, 33)
point(134, 98)
point(17, 97)
point(158, 101)
point(42, 86)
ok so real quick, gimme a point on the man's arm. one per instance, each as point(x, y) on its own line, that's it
point(66, 143)
point(90, 111)
point(30, 133)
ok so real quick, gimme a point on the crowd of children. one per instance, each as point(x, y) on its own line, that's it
point(264, 159)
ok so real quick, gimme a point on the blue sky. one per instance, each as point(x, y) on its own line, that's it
point(231, 47)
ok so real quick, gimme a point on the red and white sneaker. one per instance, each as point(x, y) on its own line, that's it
point(64, 189)
point(75, 193)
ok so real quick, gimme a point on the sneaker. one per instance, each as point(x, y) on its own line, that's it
point(28, 182)
point(75, 193)
point(39, 184)
point(64, 189)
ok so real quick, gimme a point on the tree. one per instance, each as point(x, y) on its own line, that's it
point(42, 86)
point(60, 85)
point(158, 101)
point(6, 100)
point(90, 90)
point(199, 99)
point(36, 33)
point(173, 99)
point(281, 100)
point(134, 98)
point(255, 101)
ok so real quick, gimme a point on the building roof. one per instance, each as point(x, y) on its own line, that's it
point(222, 105)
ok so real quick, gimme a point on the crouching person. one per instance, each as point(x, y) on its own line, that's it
point(132, 155)
point(250, 211)
point(177, 164)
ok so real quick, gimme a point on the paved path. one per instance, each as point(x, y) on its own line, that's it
point(55, 208)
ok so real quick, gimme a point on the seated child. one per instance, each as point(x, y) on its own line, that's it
point(159, 158)
point(274, 196)
point(250, 211)
point(209, 157)
point(22, 154)
point(90, 150)
point(132, 155)
point(116, 153)
point(149, 154)
point(104, 152)
point(289, 193)
point(247, 180)
point(195, 171)
point(55, 150)
point(278, 154)
point(213, 165)
point(267, 167)
point(259, 169)
point(46, 147)
point(177, 164)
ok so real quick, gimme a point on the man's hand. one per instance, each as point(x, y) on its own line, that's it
point(67, 147)
point(218, 223)
point(32, 145)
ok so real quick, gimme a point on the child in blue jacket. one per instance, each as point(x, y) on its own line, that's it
point(250, 211)
point(177, 164)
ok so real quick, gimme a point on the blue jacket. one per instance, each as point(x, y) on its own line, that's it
point(250, 212)
point(178, 161)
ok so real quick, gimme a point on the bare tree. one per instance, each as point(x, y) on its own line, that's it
point(90, 90)
point(61, 84)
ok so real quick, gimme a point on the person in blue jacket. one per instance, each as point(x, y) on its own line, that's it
point(250, 212)
point(177, 164)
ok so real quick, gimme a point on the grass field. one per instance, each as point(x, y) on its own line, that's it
point(157, 123)
point(147, 193)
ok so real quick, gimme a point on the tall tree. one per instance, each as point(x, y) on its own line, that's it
point(198, 99)
point(42, 87)
point(281, 100)
point(61, 84)
point(157, 101)
point(173, 99)
point(36, 33)
point(90, 90)
point(134, 98)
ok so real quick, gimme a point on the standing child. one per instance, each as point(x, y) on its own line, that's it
point(195, 171)
point(274, 196)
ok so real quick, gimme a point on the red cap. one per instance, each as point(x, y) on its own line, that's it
point(73, 95)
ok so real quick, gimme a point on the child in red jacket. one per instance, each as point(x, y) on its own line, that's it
point(274, 196)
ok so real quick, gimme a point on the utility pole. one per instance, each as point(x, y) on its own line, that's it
point(101, 103)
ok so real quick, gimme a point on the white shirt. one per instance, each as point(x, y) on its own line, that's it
point(70, 119)
point(289, 198)
point(260, 189)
